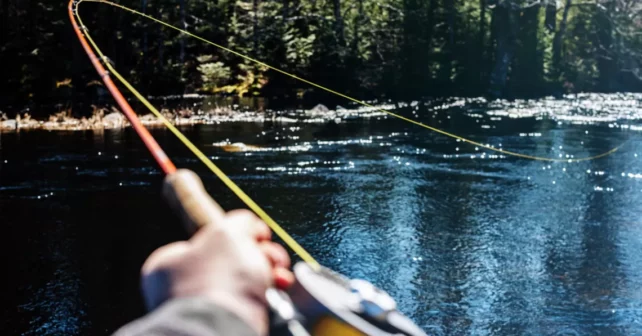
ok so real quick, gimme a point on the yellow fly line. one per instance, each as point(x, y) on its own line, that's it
point(434, 129)
point(278, 230)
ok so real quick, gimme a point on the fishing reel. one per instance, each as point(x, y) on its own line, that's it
point(320, 302)
point(324, 303)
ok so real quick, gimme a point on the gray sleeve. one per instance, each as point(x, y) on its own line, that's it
point(188, 317)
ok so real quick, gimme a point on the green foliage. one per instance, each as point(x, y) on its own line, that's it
point(298, 49)
point(213, 74)
point(401, 49)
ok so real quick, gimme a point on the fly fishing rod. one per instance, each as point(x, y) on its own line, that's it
point(320, 302)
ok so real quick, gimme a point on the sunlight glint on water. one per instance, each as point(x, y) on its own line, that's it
point(468, 241)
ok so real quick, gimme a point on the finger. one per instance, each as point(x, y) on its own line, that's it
point(276, 254)
point(283, 278)
point(247, 222)
point(154, 273)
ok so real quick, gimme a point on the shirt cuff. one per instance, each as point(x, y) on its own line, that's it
point(188, 316)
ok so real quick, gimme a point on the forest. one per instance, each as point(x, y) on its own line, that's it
point(370, 49)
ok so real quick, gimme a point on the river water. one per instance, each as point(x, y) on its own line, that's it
point(468, 243)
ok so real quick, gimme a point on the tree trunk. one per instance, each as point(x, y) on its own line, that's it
point(450, 47)
point(286, 10)
point(527, 67)
point(481, 39)
point(506, 29)
point(607, 56)
point(558, 41)
point(184, 26)
point(338, 23)
point(255, 26)
point(415, 50)
point(431, 23)
point(550, 19)
point(357, 30)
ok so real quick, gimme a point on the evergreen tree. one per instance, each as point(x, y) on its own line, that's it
point(391, 49)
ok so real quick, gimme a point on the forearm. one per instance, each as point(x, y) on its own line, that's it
point(189, 317)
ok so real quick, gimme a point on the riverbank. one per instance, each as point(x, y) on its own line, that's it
point(576, 108)
point(114, 119)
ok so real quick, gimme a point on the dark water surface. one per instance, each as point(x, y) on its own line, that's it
point(467, 243)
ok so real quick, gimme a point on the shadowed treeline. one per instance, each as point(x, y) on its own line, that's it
point(390, 49)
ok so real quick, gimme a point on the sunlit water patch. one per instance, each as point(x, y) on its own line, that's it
point(469, 240)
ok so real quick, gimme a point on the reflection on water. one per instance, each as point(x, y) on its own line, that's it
point(56, 306)
point(467, 241)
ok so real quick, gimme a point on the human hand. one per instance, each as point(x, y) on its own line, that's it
point(230, 261)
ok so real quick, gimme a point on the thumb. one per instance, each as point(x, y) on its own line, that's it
point(156, 275)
